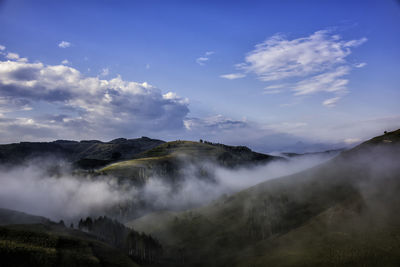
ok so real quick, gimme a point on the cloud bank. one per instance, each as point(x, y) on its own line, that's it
point(66, 104)
point(33, 188)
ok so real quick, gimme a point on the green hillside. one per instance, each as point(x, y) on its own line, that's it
point(341, 213)
point(170, 158)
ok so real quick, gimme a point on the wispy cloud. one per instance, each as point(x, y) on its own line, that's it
point(331, 102)
point(279, 58)
point(65, 62)
point(316, 63)
point(203, 59)
point(2, 48)
point(360, 65)
point(233, 76)
point(331, 81)
point(64, 44)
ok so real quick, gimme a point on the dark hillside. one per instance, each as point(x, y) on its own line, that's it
point(85, 154)
point(341, 213)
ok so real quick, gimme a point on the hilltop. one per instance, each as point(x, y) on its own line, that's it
point(340, 213)
point(170, 159)
point(85, 154)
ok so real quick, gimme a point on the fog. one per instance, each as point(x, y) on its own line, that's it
point(31, 188)
point(49, 188)
point(194, 191)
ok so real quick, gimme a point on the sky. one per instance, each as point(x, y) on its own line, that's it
point(267, 74)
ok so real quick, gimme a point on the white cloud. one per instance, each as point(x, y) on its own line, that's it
point(274, 89)
point(203, 59)
point(2, 48)
point(306, 65)
point(15, 56)
point(64, 44)
point(279, 58)
point(331, 81)
point(83, 106)
point(233, 76)
point(65, 62)
point(361, 65)
point(12, 56)
point(331, 102)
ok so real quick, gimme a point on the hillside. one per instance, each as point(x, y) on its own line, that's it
point(15, 217)
point(28, 240)
point(54, 245)
point(341, 213)
point(85, 154)
point(170, 159)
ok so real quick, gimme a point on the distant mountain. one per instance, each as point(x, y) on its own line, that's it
point(328, 153)
point(85, 154)
point(341, 213)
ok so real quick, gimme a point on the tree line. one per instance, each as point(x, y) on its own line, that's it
point(140, 247)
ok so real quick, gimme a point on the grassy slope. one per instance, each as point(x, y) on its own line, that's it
point(166, 158)
point(54, 245)
point(342, 213)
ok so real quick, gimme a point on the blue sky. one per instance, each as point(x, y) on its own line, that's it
point(262, 73)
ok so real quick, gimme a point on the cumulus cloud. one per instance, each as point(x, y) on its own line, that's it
point(317, 62)
point(16, 57)
point(203, 59)
point(65, 62)
point(90, 106)
point(64, 44)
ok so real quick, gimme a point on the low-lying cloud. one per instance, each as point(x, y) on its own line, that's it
point(33, 190)
point(40, 188)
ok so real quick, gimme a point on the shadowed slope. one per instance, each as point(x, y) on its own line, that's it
point(341, 213)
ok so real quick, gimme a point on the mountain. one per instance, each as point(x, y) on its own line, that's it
point(85, 154)
point(341, 213)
